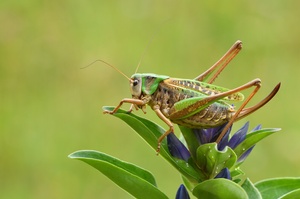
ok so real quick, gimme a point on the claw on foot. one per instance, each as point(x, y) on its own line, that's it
point(108, 112)
point(158, 149)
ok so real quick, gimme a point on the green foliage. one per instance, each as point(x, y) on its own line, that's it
point(150, 132)
point(138, 182)
point(279, 188)
point(212, 161)
point(198, 172)
point(251, 190)
point(252, 139)
point(219, 189)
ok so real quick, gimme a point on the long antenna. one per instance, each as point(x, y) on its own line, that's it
point(148, 44)
point(99, 60)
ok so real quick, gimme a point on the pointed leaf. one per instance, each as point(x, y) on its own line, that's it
point(219, 188)
point(291, 195)
point(251, 190)
point(237, 175)
point(188, 184)
point(212, 161)
point(252, 139)
point(150, 132)
point(278, 187)
point(129, 177)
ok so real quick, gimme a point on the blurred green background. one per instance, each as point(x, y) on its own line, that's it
point(51, 108)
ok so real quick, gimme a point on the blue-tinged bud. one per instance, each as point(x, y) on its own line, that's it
point(224, 173)
point(182, 193)
point(239, 136)
point(209, 135)
point(176, 148)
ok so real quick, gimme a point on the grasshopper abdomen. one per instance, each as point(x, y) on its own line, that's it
point(214, 115)
point(167, 95)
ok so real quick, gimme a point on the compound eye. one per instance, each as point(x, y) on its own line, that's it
point(135, 82)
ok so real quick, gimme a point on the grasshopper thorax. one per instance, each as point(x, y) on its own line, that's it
point(145, 83)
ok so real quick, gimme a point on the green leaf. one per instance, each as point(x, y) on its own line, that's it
point(188, 184)
point(252, 138)
point(250, 189)
point(279, 187)
point(237, 172)
point(212, 161)
point(135, 180)
point(219, 188)
point(150, 132)
point(237, 175)
point(292, 195)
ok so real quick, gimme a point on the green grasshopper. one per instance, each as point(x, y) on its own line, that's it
point(193, 103)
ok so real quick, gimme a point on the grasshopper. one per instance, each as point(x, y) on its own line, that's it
point(193, 103)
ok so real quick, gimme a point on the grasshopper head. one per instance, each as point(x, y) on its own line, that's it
point(145, 83)
point(136, 86)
